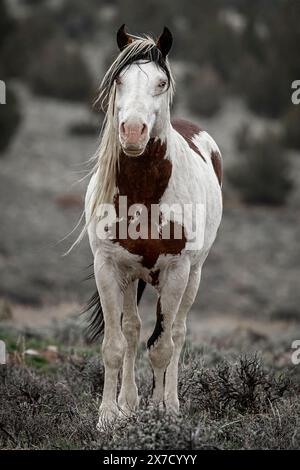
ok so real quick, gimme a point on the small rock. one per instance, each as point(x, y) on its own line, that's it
point(5, 310)
point(32, 352)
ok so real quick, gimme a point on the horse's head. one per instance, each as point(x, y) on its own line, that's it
point(142, 90)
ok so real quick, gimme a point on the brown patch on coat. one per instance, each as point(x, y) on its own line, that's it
point(188, 130)
point(158, 329)
point(144, 180)
point(216, 160)
point(155, 277)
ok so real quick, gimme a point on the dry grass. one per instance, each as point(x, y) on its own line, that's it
point(51, 402)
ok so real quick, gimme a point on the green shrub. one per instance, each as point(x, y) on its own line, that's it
point(261, 174)
point(59, 71)
point(292, 127)
point(10, 118)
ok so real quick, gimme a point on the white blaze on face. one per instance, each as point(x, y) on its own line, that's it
point(142, 105)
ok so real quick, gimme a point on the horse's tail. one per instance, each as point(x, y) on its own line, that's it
point(95, 327)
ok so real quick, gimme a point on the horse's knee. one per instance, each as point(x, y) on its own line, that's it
point(160, 353)
point(179, 334)
point(113, 350)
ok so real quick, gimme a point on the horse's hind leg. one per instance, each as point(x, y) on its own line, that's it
point(161, 344)
point(131, 324)
point(178, 335)
point(113, 346)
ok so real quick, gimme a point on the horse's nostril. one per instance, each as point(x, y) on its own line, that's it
point(144, 128)
point(123, 128)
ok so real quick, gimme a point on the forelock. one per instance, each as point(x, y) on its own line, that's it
point(140, 49)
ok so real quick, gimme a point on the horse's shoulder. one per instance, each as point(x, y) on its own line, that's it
point(186, 128)
point(214, 153)
point(194, 136)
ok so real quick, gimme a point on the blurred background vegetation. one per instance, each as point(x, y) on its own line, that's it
point(234, 63)
point(233, 48)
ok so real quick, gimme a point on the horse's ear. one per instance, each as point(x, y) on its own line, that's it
point(165, 41)
point(123, 39)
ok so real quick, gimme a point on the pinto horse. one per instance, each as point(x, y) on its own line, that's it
point(148, 170)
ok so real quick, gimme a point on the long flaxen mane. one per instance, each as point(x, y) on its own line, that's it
point(106, 158)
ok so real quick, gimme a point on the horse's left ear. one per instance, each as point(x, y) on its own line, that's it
point(165, 41)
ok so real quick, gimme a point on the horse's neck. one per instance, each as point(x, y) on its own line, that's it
point(144, 179)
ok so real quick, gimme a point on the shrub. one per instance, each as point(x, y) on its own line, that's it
point(28, 34)
point(269, 44)
point(261, 174)
point(243, 137)
point(292, 127)
point(80, 20)
point(10, 118)
point(225, 404)
point(90, 126)
point(6, 23)
point(264, 95)
point(60, 72)
point(244, 387)
point(7, 28)
point(204, 91)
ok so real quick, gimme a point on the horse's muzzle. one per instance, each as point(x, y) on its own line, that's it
point(133, 137)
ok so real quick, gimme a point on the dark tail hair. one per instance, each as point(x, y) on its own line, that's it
point(95, 327)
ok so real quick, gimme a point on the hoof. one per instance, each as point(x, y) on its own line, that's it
point(128, 406)
point(107, 417)
point(172, 404)
point(172, 407)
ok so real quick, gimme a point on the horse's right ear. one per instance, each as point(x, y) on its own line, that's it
point(123, 39)
point(165, 41)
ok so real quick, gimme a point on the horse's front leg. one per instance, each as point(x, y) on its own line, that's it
point(178, 335)
point(113, 346)
point(160, 344)
point(131, 324)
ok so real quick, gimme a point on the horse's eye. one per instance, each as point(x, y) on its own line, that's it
point(162, 84)
point(118, 81)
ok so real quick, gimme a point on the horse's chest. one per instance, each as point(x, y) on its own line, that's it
point(141, 183)
point(144, 179)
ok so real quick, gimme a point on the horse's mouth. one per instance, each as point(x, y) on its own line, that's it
point(133, 151)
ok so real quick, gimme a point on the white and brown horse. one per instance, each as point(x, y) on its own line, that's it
point(149, 162)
